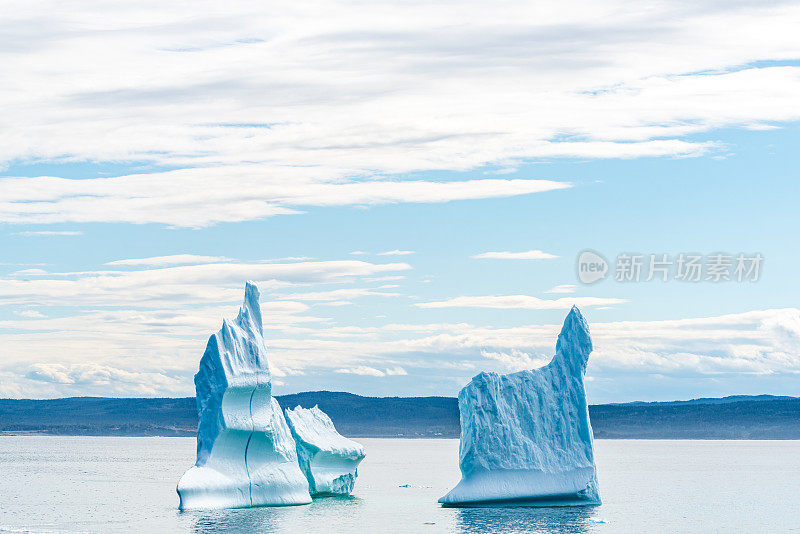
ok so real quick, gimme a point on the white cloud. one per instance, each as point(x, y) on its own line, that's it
point(173, 259)
point(528, 255)
point(516, 360)
point(110, 380)
point(30, 272)
point(563, 288)
point(396, 253)
point(141, 331)
point(335, 303)
point(396, 371)
point(288, 258)
point(154, 351)
point(371, 371)
point(30, 314)
point(520, 302)
point(384, 278)
point(31, 233)
point(337, 294)
point(339, 111)
point(178, 285)
point(361, 370)
point(238, 193)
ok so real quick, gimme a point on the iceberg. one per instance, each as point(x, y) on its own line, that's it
point(526, 437)
point(328, 459)
point(246, 455)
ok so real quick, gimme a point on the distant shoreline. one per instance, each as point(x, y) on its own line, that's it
point(760, 417)
point(192, 436)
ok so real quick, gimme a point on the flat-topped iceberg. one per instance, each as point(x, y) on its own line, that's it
point(246, 455)
point(526, 436)
point(328, 459)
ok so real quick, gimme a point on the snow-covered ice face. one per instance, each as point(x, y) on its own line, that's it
point(527, 435)
point(246, 455)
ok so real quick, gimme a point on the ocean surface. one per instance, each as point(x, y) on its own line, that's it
point(111, 484)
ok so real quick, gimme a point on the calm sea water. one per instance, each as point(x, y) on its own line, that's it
point(106, 484)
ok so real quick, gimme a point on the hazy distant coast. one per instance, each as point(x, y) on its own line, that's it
point(738, 417)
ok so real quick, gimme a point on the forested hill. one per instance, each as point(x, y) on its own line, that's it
point(738, 417)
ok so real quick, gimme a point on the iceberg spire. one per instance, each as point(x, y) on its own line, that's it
point(526, 436)
point(246, 455)
point(250, 312)
point(574, 343)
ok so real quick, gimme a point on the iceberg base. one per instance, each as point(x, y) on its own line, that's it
point(523, 487)
point(535, 502)
point(207, 488)
point(328, 475)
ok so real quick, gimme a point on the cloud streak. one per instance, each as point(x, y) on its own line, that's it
point(84, 351)
point(526, 302)
point(527, 255)
point(338, 295)
point(258, 113)
point(237, 193)
point(173, 259)
point(396, 253)
point(176, 285)
point(563, 288)
point(34, 233)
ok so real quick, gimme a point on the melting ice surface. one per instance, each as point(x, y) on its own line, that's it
point(328, 459)
point(526, 437)
point(246, 455)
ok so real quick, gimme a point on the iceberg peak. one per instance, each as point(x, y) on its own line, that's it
point(574, 342)
point(250, 313)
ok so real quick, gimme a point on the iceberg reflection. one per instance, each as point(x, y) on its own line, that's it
point(513, 520)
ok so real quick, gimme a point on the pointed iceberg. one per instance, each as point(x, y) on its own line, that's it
point(246, 455)
point(526, 437)
point(328, 459)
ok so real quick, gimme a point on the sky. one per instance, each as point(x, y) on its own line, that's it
point(411, 185)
